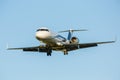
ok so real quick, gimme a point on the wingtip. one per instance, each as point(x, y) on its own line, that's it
point(7, 48)
point(115, 38)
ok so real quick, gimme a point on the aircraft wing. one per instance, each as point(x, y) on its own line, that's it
point(86, 45)
point(40, 48)
point(71, 47)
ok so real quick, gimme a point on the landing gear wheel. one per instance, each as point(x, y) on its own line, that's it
point(65, 52)
point(49, 52)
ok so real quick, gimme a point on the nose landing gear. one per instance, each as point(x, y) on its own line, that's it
point(49, 50)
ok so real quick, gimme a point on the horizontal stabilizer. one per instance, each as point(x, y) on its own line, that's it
point(71, 30)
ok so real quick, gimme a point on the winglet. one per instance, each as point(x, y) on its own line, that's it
point(7, 46)
point(115, 38)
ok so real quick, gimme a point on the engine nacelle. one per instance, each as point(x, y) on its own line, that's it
point(74, 40)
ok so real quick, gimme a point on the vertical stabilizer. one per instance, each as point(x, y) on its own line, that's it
point(70, 32)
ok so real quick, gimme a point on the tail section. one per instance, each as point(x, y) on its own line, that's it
point(70, 32)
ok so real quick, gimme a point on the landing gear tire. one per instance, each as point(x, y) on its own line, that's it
point(65, 52)
point(49, 52)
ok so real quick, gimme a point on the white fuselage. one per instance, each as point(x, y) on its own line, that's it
point(50, 38)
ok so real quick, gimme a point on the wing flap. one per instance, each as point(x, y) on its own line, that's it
point(40, 48)
point(86, 45)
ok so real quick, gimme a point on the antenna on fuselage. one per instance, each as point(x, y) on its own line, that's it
point(70, 32)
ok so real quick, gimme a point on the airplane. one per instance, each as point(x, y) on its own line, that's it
point(56, 42)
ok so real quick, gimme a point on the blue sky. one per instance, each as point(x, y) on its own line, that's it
point(19, 20)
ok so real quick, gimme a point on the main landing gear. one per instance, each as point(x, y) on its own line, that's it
point(65, 52)
point(49, 50)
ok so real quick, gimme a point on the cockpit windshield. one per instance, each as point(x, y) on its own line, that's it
point(43, 30)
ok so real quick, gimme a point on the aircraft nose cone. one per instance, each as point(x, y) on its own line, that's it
point(42, 35)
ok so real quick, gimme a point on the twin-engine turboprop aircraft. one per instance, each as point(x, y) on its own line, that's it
point(57, 42)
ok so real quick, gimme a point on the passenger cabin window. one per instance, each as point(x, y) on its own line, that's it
point(43, 30)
